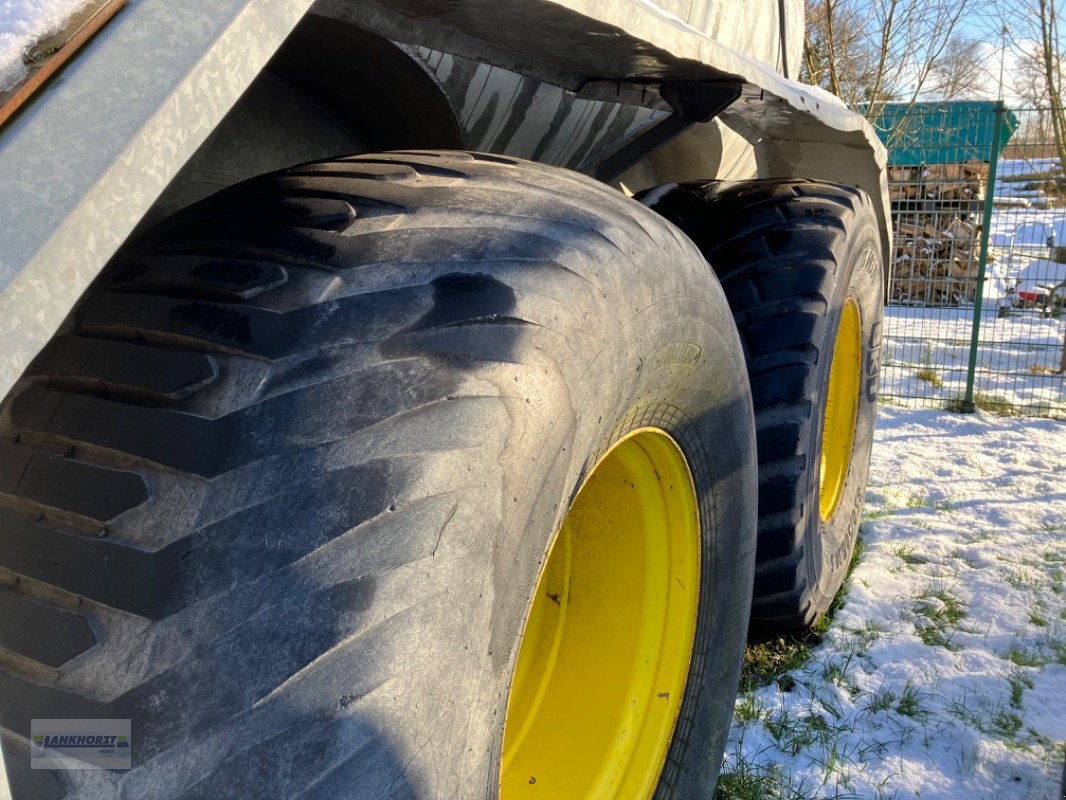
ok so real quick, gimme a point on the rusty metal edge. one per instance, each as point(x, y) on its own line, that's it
point(12, 100)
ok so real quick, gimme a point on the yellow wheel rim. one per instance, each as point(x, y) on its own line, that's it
point(606, 648)
point(841, 410)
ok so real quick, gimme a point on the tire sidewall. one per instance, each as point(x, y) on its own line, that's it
point(654, 375)
point(829, 545)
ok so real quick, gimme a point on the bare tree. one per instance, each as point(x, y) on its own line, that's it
point(1028, 84)
point(1034, 37)
point(876, 51)
point(1051, 61)
point(1028, 78)
point(836, 51)
point(959, 72)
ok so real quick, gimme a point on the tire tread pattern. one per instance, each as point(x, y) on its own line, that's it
point(128, 514)
point(773, 245)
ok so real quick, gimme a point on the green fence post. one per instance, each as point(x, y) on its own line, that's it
point(968, 406)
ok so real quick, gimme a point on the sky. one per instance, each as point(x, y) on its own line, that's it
point(983, 22)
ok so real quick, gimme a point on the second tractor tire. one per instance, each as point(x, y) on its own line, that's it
point(801, 266)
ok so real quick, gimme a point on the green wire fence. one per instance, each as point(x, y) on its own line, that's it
point(975, 312)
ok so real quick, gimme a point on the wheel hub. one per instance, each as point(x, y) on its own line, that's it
point(606, 648)
point(841, 410)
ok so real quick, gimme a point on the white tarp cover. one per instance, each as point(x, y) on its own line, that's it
point(752, 27)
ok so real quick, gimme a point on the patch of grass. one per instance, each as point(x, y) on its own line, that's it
point(930, 376)
point(747, 709)
point(906, 554)
point(779, 725)
point(1018, 684)
point(1021, 579)
point(1058, 650)
point(794, 734)
point(850, 646)
point(750, 782)
point(1044, 741)
point(835, 763)
point(910, 701)
point(838, 673)
point(960, 555)
point(869, 632)
point(881, 700)
point(770, 656)
point(1006, 724)
point(999, 406)
point(939, 613)
point(918, 501)
point(981, 535)
point(1023, 657)
point(925, 501)
point(874, 514)
point(951, 609)
point(1041, 369)
point(962, 710)
point(1057, 581)
point(933, 636)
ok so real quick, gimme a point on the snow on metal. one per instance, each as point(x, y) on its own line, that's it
point(22, 24)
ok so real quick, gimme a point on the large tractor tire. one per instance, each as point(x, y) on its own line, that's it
point(800, 262)
point(409, 475)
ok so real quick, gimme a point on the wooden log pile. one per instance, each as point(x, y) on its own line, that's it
point(936, 232)
point(939, 182)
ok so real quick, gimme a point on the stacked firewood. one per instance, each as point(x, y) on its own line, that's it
point(936, 232)
point(964, 181)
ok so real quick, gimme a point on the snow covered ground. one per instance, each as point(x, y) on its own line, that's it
point(926, 352)
point(1015, 173)
point(1020, 238)
point(943, 676)
point(927, 348)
